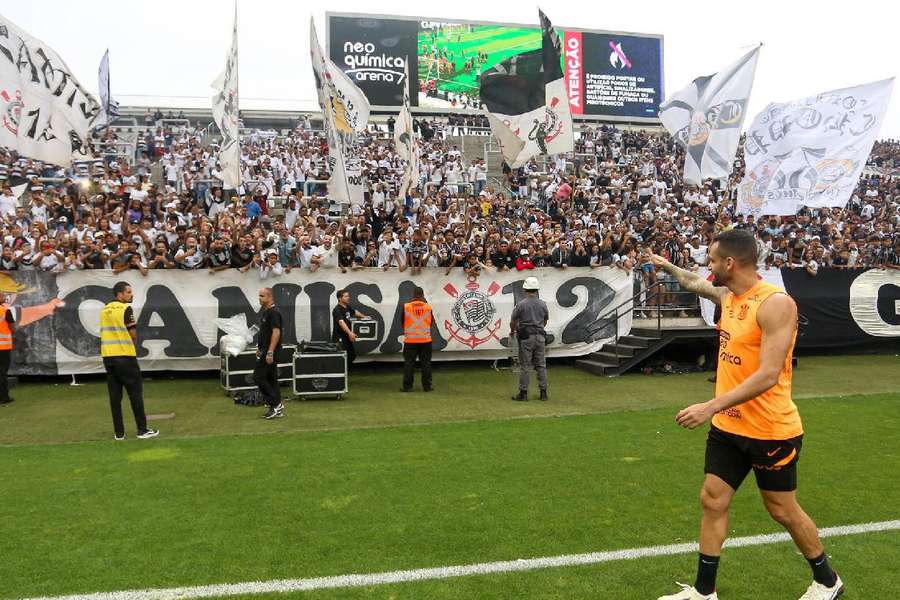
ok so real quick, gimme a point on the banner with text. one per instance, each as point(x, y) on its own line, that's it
point(58, 315)
point(607, 74)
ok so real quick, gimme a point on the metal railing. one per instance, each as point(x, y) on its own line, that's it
point(175, 122)
point(438, 186)
point(464, 130)
point(616, 313)
point(642, 302)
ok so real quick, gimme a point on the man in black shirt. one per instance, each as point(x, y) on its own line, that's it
point(503, 259)
point(242, 255)
point(266, 373)
point(161, 257)
point(341, 317)
point(219, 255)
point(346, 255)
point(94, 257)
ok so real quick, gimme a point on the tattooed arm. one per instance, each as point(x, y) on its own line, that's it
point(690, 282)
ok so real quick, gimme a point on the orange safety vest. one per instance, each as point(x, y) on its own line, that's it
point(417, 322)
point(6, 334)
point(772, 415)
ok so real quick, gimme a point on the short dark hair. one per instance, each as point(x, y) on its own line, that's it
point(120, 287)
point(340, 293)
point(418, 293)
point(738, 244)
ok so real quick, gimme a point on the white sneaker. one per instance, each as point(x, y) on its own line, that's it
point(817, 591)
point(147, 434)
point(688, 593)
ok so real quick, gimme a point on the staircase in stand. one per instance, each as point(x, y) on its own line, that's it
point(639, 345)
point(646, 338)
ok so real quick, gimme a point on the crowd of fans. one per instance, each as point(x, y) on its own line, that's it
point(612, 203)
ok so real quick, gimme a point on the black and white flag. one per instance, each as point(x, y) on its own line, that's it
point(811, 151)
point(345, 112)
point(225, 109)
point(405, 142)
point(526, 103)
point(706, 118)
point(48, 114)
point(110, 108)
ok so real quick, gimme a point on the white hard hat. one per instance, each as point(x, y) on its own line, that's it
point(531, 284)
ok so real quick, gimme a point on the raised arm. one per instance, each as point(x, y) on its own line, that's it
point(690, 282)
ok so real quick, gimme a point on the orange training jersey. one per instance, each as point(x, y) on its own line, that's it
point(772, 415)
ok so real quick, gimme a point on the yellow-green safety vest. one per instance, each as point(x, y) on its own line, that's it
point(114, 337)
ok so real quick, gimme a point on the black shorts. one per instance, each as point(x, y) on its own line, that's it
point(774, 462)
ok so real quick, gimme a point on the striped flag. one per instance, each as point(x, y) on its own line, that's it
point(345, 111)
point(525, 100)
point(706, 118)
point(110, 110)
point(225, 109)
point(405, 142)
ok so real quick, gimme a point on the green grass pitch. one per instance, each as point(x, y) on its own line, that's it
point(384, 481)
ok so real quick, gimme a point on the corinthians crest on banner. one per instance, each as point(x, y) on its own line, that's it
point(473, 314)
point(811, 152)
point(525, 100)
point(47, 114)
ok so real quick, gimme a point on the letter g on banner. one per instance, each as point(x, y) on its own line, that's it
point(876, 315)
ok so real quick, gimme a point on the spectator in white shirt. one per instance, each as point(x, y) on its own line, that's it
point(8, 203)
point(388, 251)
point(699, 252)
point(270, 267)
point(324, 255)
point(305, 252)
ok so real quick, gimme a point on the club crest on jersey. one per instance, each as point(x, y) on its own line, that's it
point(742, 313)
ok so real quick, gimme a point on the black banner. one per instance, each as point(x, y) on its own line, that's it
point(839, 307)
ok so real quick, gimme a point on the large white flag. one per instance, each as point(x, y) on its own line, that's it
point(706, 118)
point(48, 114)
point(525, 100)
point(405, 142)
point(346, 114)
point(811, 152)
point(109, 107)
point(225, 108)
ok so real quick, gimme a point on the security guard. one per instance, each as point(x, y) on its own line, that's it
point(417, 319)
point(528, 320)
point(265, 374)
point(7, 329)
point(118, 333)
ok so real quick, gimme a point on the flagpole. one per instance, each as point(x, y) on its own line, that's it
point(237, 92)
point(108, 96)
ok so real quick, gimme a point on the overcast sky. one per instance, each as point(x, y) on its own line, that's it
point(177, 47)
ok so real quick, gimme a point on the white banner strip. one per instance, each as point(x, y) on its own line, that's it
point(176, 311)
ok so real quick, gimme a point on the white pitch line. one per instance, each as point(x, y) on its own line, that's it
point(508, 566)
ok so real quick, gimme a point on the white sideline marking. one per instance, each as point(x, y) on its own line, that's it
point(507, 566)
